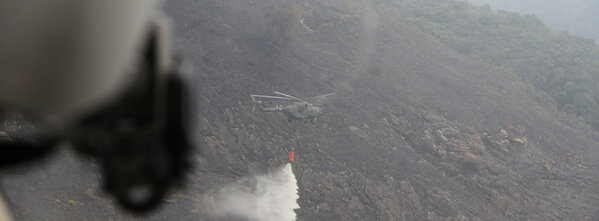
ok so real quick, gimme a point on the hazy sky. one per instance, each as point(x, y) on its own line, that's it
point(578, 17)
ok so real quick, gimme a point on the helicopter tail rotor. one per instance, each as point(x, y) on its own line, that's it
point(258, 102)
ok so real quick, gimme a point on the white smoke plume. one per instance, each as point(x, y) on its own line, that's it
point(269, 197)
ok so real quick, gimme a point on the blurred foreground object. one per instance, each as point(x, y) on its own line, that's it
point(101, 76)
point(4, 214)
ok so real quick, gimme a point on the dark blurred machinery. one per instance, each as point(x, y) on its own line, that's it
point(99, 75)
point(141, 136)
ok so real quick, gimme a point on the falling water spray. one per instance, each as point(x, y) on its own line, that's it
point(272, 196)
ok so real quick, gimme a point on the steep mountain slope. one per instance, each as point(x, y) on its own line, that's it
point(578, 17)
point(384, 152)
point(559, 70)
point(418, 131)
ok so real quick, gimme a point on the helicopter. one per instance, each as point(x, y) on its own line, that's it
point(299, 109)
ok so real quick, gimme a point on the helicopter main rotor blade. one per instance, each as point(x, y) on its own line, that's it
point(287, 95)
point(319, 99)
point(322, 96)
point(253, 96)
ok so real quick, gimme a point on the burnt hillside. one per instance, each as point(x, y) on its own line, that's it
point(417, 130)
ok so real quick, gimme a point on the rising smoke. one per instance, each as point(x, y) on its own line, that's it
point(272, 196)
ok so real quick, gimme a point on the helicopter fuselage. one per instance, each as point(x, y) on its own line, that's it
point(300, 110)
